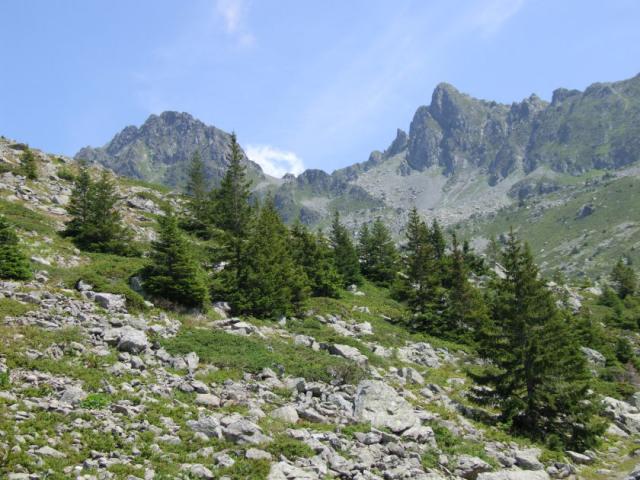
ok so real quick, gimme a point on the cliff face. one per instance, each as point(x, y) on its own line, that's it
point(576, 132)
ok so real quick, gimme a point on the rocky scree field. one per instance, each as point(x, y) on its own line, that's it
point(97, 383)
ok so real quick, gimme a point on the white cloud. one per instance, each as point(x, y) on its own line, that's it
point(491, 15)
point(275, 162)
point(233, 13)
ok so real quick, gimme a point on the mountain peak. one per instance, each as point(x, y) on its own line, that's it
point(162, 147)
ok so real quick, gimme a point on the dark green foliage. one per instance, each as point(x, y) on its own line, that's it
point(436, 238)
point(96, 223)
point(28, 164)
point(345, 255)
point(378, 254)
point(624, 279)
point(290, 448)
point(174, 273)
point(420, 284)
point(13, 262)
point(538, 376)
point(198, 202)
point(624, 350)
point(251, 354)
point(269, 284)
point(313, 254)
point(231, 218)
point(465, 313)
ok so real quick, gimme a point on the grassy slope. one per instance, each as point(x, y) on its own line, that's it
point(561, 240)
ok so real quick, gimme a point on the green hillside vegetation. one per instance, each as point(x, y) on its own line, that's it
point(433, 288)
point(580, 231)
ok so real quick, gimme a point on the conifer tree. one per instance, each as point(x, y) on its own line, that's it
point(174, 273)
point(198, 204)
point(271, 284)
point(29, 164)
point(365, 249)
point(345, 255)
point(378, 254)
point(436, 238)
point(465, 312)
point(538, 376)
point(420, 283)
point(232, 214)
point(313, 254)
point(13, 262)
point(96, 223)
point(624, 279)
point(80, 203)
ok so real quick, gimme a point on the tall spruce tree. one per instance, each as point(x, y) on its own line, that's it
point(312, 253)
point(271, 284)
point(537, 374)
point(81, 201)
point(345, 255)
point(232, 215)
point(420, 282)
point(13, 262)
point(29, 164)
point(436, 238)
point(198, 202)
point(465, 313)
point(174, 274)
point(378, 254)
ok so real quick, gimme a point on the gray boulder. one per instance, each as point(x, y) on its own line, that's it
point(515, 475)
point(286, 414)
point(110, 301)
point(348, 352)
point(243, 431)
point(132, 340)
point(380, 404)
point(73, 396)
point(286, 471)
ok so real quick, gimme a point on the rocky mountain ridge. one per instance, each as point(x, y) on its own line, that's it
point(462, 157)
point(161, 149)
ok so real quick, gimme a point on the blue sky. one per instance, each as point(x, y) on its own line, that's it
point(316, 84)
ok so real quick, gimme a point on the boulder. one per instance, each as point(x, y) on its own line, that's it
point(348, 352)
point(243, 431)
point(286, 471)
point(207, 400)
point(411, 375)
point(73, 396)
point(579, 458)
point(470, 467)
point(380, 404)
point(257, 454)
point(286, 414)
point(210, 426)
point(197, 471)
point(528, 459)
point(47, 451)
point(132, 340)
point(515, 475)
point(110, 301)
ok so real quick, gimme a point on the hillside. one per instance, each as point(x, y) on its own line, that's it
point(462, 157)
point(96, 382)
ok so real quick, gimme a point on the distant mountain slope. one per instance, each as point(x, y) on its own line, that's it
point(161, 149)
point(465, 157)
point(462, 157)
